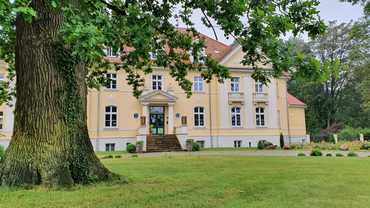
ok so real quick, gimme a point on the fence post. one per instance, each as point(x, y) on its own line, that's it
point(336, 138)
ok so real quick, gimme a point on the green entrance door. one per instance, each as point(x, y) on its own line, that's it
point(157, 119)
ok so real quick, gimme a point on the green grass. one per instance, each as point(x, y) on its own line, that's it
point(112, 153)
point(215, 181)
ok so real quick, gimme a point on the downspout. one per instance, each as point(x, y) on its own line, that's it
point(210, 114)
point(287, 109)
point(97, 132)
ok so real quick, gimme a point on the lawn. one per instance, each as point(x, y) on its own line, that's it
point(215, 181)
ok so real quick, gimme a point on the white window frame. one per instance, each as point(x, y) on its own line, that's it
point(2, 79)
point(1, 119)
point(201, 143)
point(195, 60)
point(277, 90)
point(279, 118)
point(237, 143)
point(109, 52)
point(199, 114)
point(157, 74)
point(198, 83)
point(109, 147)
point(236, 114)
point(234, 86)
point(110, 117)
point(258, 86)
point(260, 114)
point(114, 80)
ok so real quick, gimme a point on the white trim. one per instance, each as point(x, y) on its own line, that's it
point(238, 83)
point(259, 86)
point(224, 103)
point(110, 113)
point(231, 54)
point(202, 53)
point(264, 116)
point(240, 114)
point(162, 80)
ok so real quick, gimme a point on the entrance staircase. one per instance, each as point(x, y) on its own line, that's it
point(162, 143)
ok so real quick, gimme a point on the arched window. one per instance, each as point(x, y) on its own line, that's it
point(111, 117)
point(260, 117)
point(199, 116)
point(235, 116)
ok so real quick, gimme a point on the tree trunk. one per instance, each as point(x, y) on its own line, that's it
point(50, 143)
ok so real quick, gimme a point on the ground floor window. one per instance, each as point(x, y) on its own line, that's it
point(237, 143)
point(110, 147)
point(1, 120)
point(201, 143)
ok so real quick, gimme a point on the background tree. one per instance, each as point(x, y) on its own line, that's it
point(55, 46)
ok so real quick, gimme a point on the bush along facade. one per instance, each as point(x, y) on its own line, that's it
point(316, 152)
point(260, 145)
point(196, 146)
point(281, 140)
point(131, 148)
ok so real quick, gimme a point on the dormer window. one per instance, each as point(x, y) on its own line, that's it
point(109, 53)
point(197, 58)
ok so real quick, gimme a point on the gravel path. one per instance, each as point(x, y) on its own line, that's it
point(248, 153)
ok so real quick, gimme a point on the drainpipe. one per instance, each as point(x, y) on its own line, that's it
point(287, 109)
point(210, 114)
point(97, 132)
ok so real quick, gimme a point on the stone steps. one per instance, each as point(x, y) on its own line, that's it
point(162, 143)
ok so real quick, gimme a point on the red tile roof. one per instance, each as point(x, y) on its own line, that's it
point(294, 101)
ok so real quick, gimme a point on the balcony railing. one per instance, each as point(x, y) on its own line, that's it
point(260, 97)
point(236, 97)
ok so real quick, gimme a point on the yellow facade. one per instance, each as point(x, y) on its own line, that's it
point(260, 112)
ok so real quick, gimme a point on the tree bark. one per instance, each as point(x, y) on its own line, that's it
point(48, 147)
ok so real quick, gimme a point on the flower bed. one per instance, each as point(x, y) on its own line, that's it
point(355, 145)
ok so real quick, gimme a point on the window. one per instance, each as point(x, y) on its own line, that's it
point(198, 116)
point(258, 86)
point(154, 56)
point(277, 90)
point(2, 78)
point(237, 143)
point(234, 84)
point(157, 82)
point(110, 116)
point(260, 116)
point(198, 84)
point(1, 120)
point(109, 52)
point(135, 116)
point(279, 119)
point(109, 147)
point(198, 57)
point(201, 143)
point(177, 116)
point(113, 82)
point(235, 116)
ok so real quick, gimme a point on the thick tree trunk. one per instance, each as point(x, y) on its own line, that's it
point(50, 143)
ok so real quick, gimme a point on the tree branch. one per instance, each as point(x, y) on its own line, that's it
point(114, 8)
point(209, 22)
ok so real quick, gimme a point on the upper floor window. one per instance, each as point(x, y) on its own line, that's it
point(157, 82)
point(198, 84)
point(113, 82)
point(2, 78)
point(260, 116)
point(258, 87)
point(199, 116)
point(235, 117)
point(153, 55)
point(277, 90)
point(234, 84)
point(110, 116)
point(109, 52)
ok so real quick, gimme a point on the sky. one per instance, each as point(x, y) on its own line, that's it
point(329, 10)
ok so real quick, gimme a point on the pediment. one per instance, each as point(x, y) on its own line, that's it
point(158, 96)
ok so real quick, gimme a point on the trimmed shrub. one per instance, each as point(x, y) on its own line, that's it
point(316, 152)
point(301, 154)
point(267, 144)
point(352, 154)
point(2, 151)
point(110, 156)
point(118, 156)
point(368, 156)
point(281, 140)
point(131, 148)
point(328, 155)
point(260, 145)
point(133, 155)
point(339, 154)
point(196, 146)
point(332, 139)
